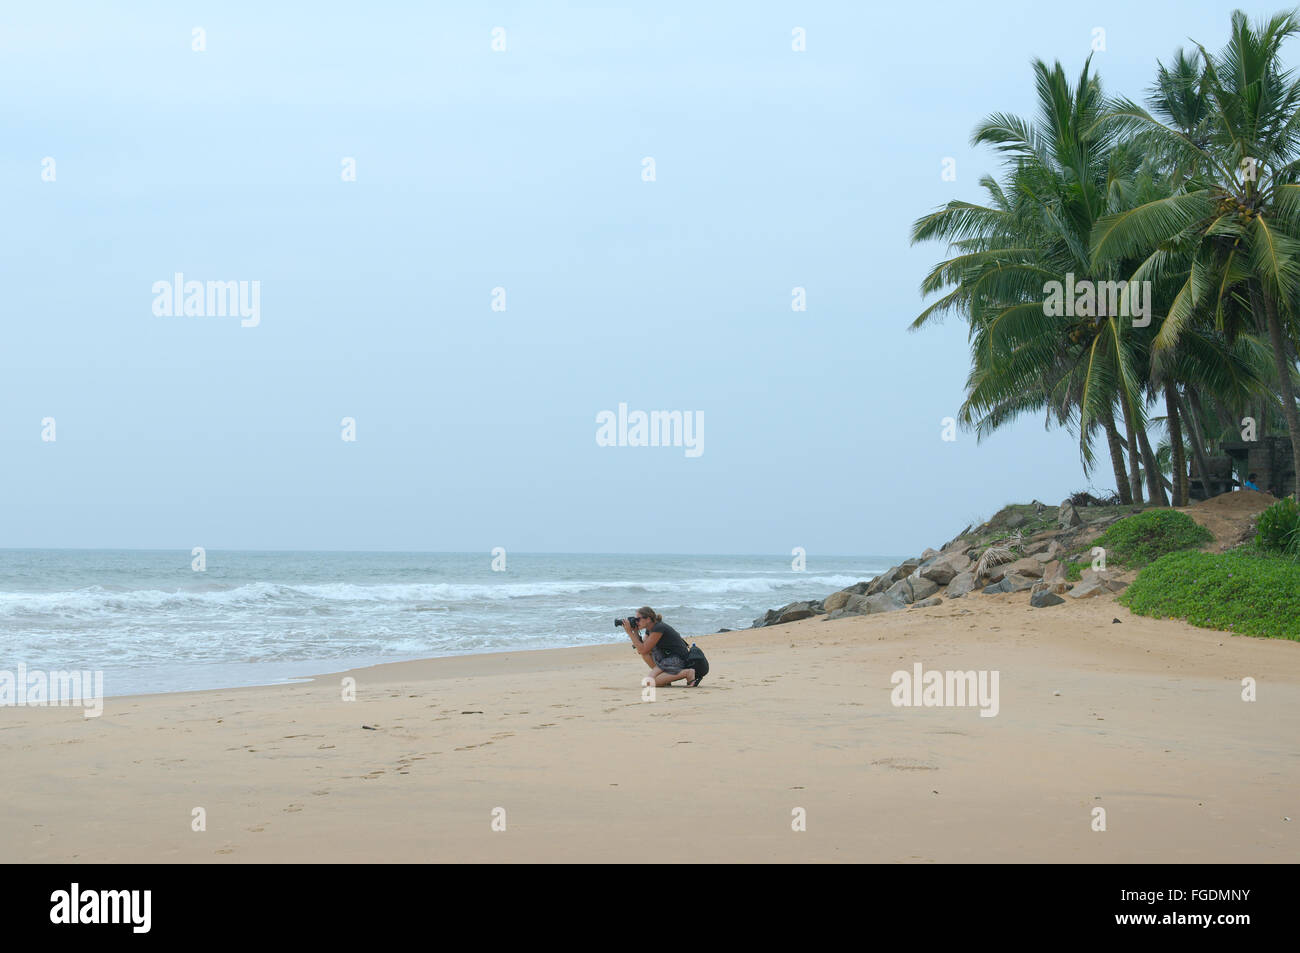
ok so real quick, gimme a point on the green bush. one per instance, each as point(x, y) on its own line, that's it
point(1137, 540)
point(1230, 591)
point(1278, 528)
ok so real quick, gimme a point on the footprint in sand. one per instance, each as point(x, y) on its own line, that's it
point(293, 808)
point(905, 764)
point(225, 850)
point(320, 793)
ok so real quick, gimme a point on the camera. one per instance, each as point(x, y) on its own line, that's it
point(631, 620)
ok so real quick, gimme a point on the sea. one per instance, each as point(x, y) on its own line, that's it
point(152, 622)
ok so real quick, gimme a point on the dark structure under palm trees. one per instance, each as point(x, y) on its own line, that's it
point(1269, 458)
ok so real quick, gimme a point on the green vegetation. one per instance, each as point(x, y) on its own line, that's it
point(1278, 528)
point(1234, 591)
point(1138, 540)
point(1183, 214)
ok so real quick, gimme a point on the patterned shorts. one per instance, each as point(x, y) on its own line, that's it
point(672, 664)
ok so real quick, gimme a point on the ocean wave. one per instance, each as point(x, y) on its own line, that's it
point(96, 600)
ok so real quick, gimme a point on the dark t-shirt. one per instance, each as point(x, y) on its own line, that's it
point(670, 643)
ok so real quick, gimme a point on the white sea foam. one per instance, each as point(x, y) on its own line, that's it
point(151, 624)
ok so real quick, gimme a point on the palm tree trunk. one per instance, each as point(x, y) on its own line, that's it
point(1197, 439)
point(1176, 444)
point(1117, 460)
point(1135, 475)
point(1282, 361)
point(1226, 423)
point(1155, 485)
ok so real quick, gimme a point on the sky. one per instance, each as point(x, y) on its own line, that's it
point(212, 140)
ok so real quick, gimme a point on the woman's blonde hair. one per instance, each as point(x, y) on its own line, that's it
point(650, 614)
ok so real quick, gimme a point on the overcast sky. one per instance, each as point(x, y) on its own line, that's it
point(521, 169)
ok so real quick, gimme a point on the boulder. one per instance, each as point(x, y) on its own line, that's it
point(884, 581)
point(794, 615)
point(1095, 583)
point(882, 602)
point(1028, 566)
point(1044, 598)
point(836, 600)
point(1009, 583)
point(1015, 519)
point(944, 568)
point(961, 584)
point(926, 603)
point(912, 588)
point(1067, 517)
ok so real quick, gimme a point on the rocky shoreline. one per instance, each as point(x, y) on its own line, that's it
point(1023, 548)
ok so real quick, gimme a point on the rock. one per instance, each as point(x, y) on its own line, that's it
point(1067, 516)
point(1028, 566)
point(929, 554)
point(925, 603)
point(1009, 583)
point(944, 569)
point(901, 571)
point(882, 602)
point(884, 581)
point(836, 600)
point(1044, 598)
point(961, 584)
point(794, 615)
point(1109, 576)
point(1096, 583)
point(913, 588)
point(1086, 590)
point(855, 605)
point(1015, 519)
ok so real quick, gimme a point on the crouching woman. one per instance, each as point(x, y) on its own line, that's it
point(662, 648)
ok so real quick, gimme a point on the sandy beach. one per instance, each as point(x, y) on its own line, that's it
point(1149, 724)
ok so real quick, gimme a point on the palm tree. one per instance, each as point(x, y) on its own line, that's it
point(1065, 173)
point(1236, 216)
